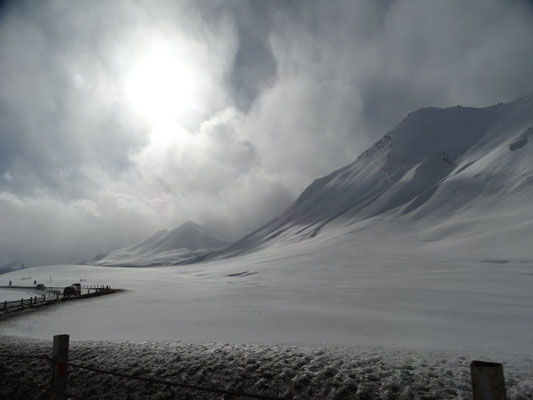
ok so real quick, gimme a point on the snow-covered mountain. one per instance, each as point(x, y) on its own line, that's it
point(189, 240)
point(422, 243)
point(456, 174)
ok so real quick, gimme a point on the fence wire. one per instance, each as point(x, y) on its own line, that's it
point(176, 384)
point(130, 377)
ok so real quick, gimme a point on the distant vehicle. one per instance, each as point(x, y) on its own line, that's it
point(39, 286)
point(72, 290)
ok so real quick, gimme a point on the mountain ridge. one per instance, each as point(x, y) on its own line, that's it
point(431, 150)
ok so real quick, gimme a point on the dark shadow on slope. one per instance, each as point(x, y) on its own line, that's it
point(522, 140)
point(420, 200)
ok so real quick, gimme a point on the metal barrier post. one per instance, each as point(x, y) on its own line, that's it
point(487, 380)
point(59, 367)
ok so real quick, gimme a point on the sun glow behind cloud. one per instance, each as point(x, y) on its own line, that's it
point(163, 87)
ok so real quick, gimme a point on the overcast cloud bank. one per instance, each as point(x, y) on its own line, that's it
point(269, 96)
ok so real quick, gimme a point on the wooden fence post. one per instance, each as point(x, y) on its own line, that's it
point(59, 367)
point(487, 380)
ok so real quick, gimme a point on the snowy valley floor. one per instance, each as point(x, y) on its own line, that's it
point(297, 372)
point(337, 316)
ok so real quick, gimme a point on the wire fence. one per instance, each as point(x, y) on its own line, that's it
point(182, 385)
point(487, 377)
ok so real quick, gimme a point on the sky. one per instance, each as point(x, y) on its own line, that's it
point(118, 119)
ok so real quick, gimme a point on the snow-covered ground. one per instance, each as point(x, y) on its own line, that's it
point(337, 316)
point(339, 288)
point(295, 372)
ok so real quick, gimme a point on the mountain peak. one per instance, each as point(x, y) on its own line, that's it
point(166, 247)
point(189, 225)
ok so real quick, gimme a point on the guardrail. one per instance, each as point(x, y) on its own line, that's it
point(52, 295)
point(36, 301)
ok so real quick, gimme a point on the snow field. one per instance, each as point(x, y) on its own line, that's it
point(339, 288)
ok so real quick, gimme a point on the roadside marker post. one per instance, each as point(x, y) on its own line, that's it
point(487, 380)
point(59, 367)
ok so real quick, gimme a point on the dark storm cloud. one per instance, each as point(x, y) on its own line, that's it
point(286, 91)
point(254, 66)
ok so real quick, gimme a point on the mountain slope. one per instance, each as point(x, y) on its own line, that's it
point(11, 266)
point(436, 165)
point(180, 244)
